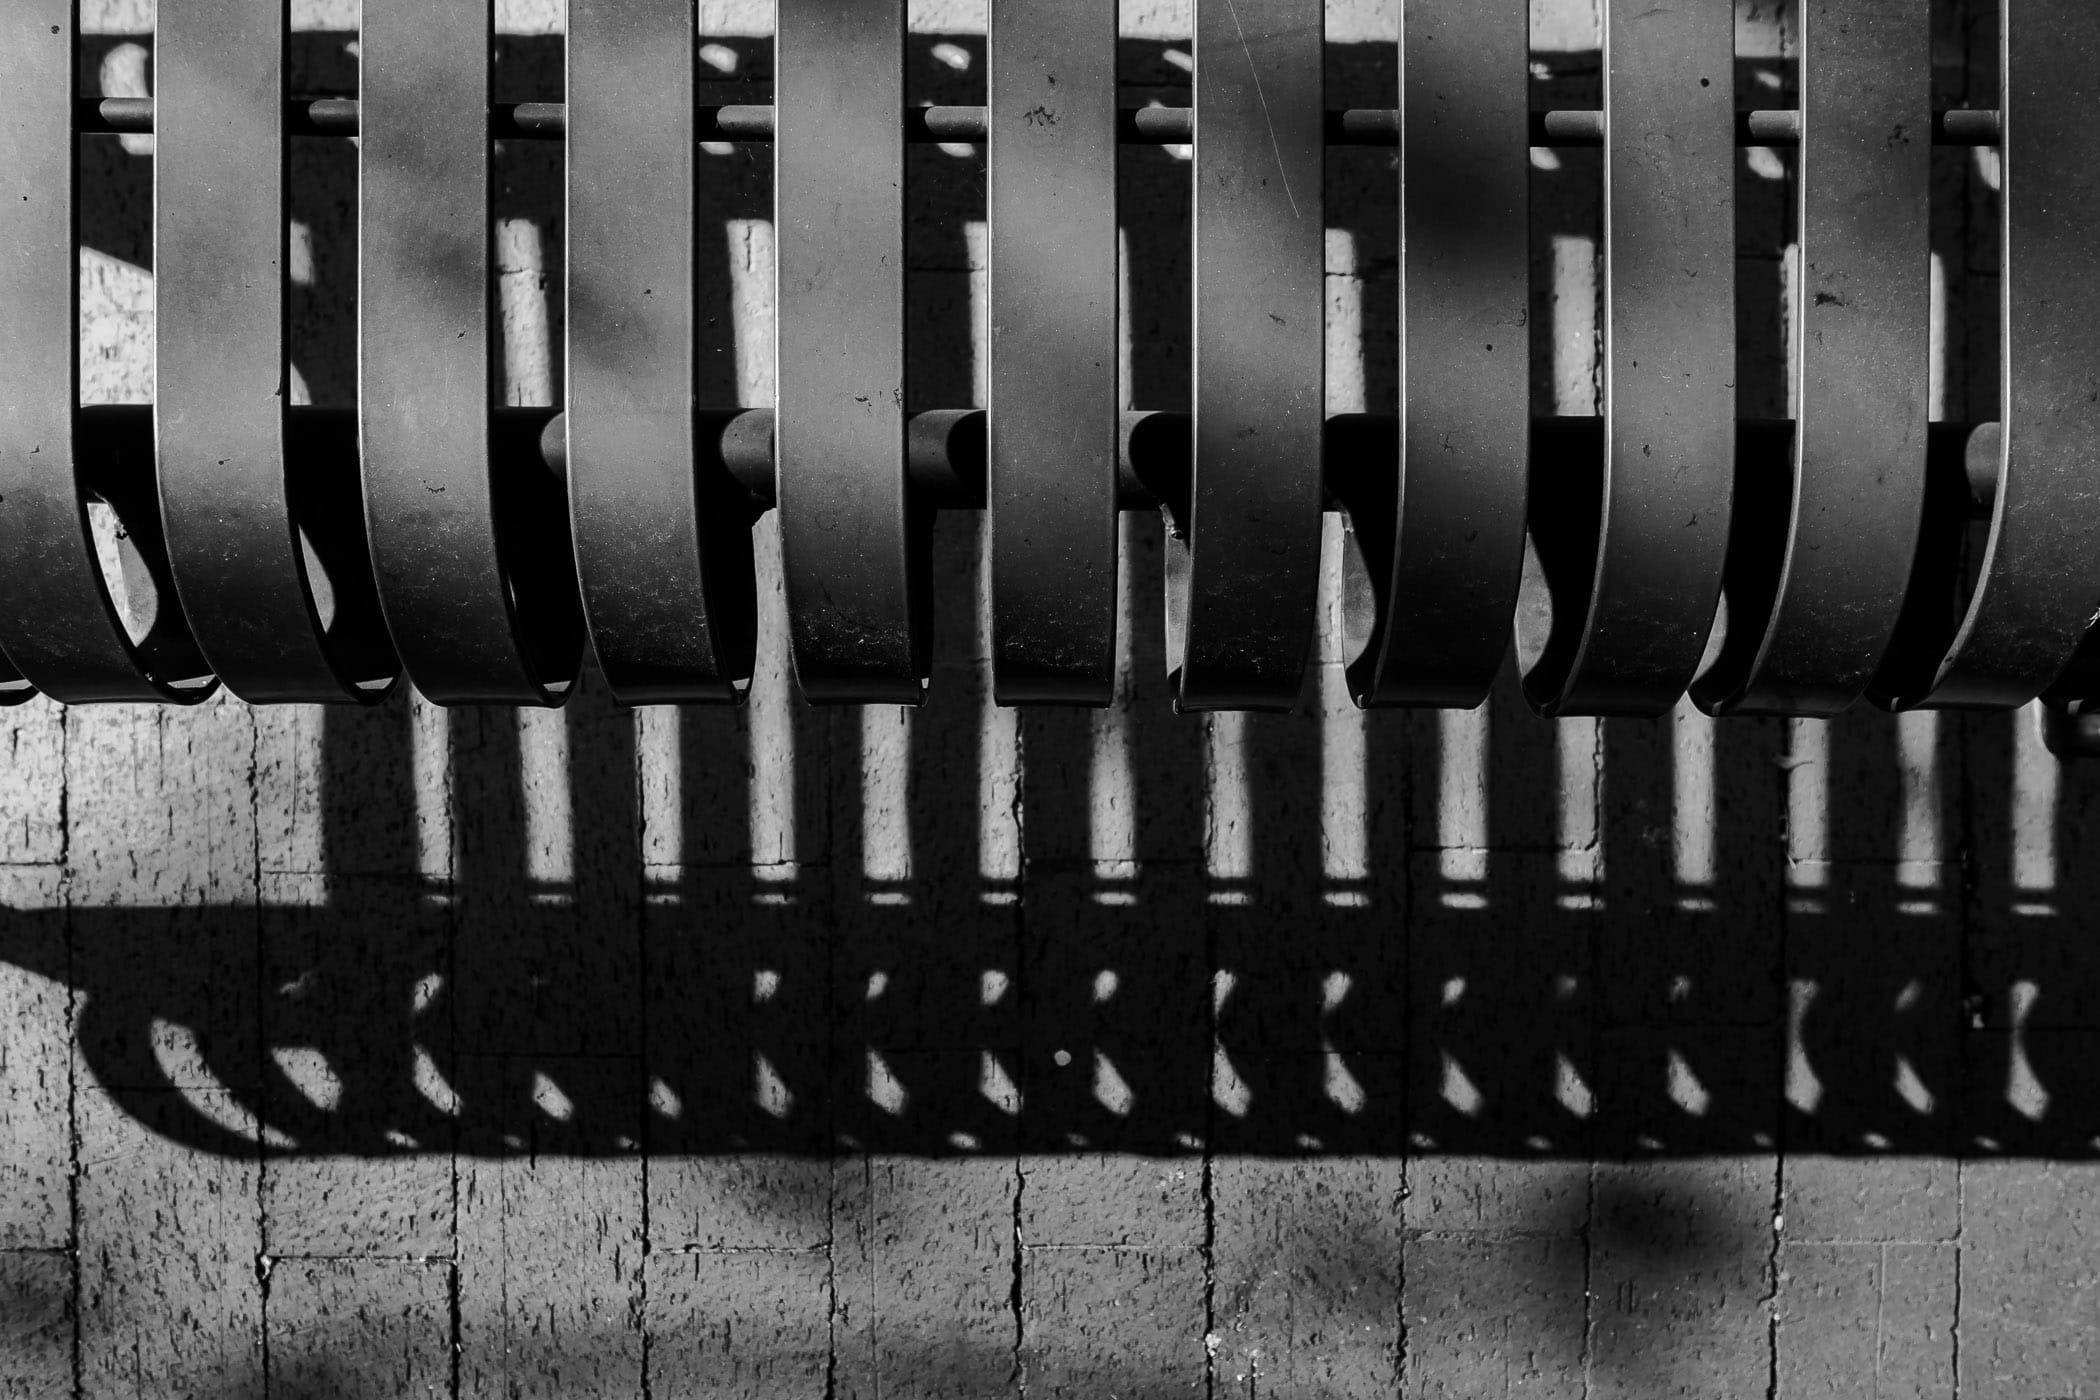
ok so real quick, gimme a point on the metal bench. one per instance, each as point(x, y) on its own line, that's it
point(315, 555)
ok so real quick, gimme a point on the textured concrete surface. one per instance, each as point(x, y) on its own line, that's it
point(961, 1053)
point(1097, 1128)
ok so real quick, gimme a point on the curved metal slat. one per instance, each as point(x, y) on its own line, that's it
point(463, 621)
point(1811, 613)
point(1446, 548)
point(1249, 567)
point(220, 373)
point(2037, 585)
point(662, 551)
point(58, 624)
point(1632, 646)
point(1051, 202)
point(853, 554)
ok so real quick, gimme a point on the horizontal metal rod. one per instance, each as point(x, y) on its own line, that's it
point(1137, 126)
point(945, 451)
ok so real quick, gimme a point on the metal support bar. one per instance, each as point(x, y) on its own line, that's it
point(945, 450)
point(1135, 126)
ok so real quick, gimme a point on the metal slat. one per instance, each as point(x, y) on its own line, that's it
point(461, 612)
point(853, 553)
point(1053, 403)
point(2036, 589)
point(1814, 601)
point(1444, 540)
point(1247, 566)
point(1635, 561)
point(662, 549)
point(945, 448)
point(58, 623)
point(220, 372)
